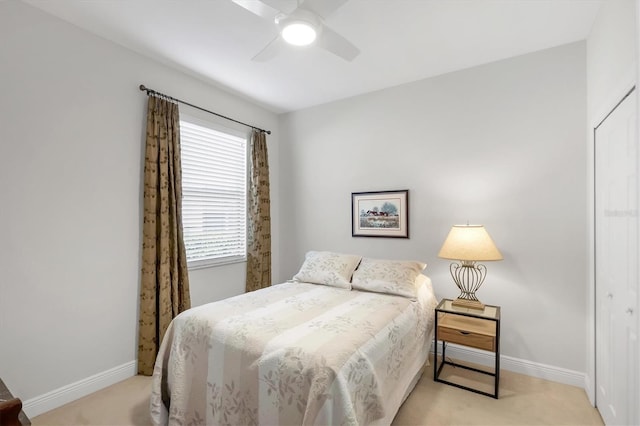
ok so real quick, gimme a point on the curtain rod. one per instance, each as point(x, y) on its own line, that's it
point(154, 92)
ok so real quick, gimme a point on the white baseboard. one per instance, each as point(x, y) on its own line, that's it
point(521, 366)
point(58, 397)
point(591, 392)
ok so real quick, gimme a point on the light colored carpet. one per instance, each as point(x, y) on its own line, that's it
point(523, 400)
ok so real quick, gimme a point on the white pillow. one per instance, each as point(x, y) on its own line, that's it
point(397, 277)
point(332, 269)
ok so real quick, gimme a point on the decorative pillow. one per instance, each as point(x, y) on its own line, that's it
point(332, 269)
point(397, 277)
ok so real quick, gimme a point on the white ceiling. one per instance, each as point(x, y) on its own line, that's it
point(400, 41)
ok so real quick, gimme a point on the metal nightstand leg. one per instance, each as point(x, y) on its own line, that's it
point(437, 370)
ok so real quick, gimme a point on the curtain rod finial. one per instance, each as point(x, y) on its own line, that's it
point(142, 87)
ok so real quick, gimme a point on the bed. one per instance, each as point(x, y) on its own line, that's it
point(336, 345)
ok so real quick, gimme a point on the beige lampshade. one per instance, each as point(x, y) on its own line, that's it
point(469, 242)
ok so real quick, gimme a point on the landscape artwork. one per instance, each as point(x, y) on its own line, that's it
point(380, 214)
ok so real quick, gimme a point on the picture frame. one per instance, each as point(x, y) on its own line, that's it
point(382, 214)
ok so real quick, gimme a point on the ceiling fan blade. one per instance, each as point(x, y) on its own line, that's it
point(270, 51)
point(324, 8)
point(336, 44)
point(259, 8)
point(285, 6)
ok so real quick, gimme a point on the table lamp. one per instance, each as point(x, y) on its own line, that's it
point(468, 244)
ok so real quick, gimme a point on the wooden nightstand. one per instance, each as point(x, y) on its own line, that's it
point(474, 328)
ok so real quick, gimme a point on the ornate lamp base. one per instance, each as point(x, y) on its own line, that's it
point(470, 304)
point(468, 276)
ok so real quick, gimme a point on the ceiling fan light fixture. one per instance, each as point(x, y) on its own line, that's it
point(299, 33)
point(300, 28)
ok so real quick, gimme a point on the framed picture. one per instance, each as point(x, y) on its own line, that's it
point(380, 214)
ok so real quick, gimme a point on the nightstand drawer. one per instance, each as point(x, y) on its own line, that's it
point(467, 338)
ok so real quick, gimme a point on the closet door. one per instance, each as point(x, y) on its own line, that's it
point(616, 262)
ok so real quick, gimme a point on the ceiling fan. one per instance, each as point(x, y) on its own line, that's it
point(300, 24)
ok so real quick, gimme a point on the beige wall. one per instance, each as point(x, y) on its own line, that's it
point(501, 144)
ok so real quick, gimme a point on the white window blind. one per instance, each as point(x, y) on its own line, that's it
point(214, 188)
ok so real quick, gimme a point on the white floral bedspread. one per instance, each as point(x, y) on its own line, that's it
point(292, 354)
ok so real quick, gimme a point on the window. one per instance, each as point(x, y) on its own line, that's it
point(214, 193)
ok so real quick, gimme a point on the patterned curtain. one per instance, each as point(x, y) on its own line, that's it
point(259, 216)
point(164, 289)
